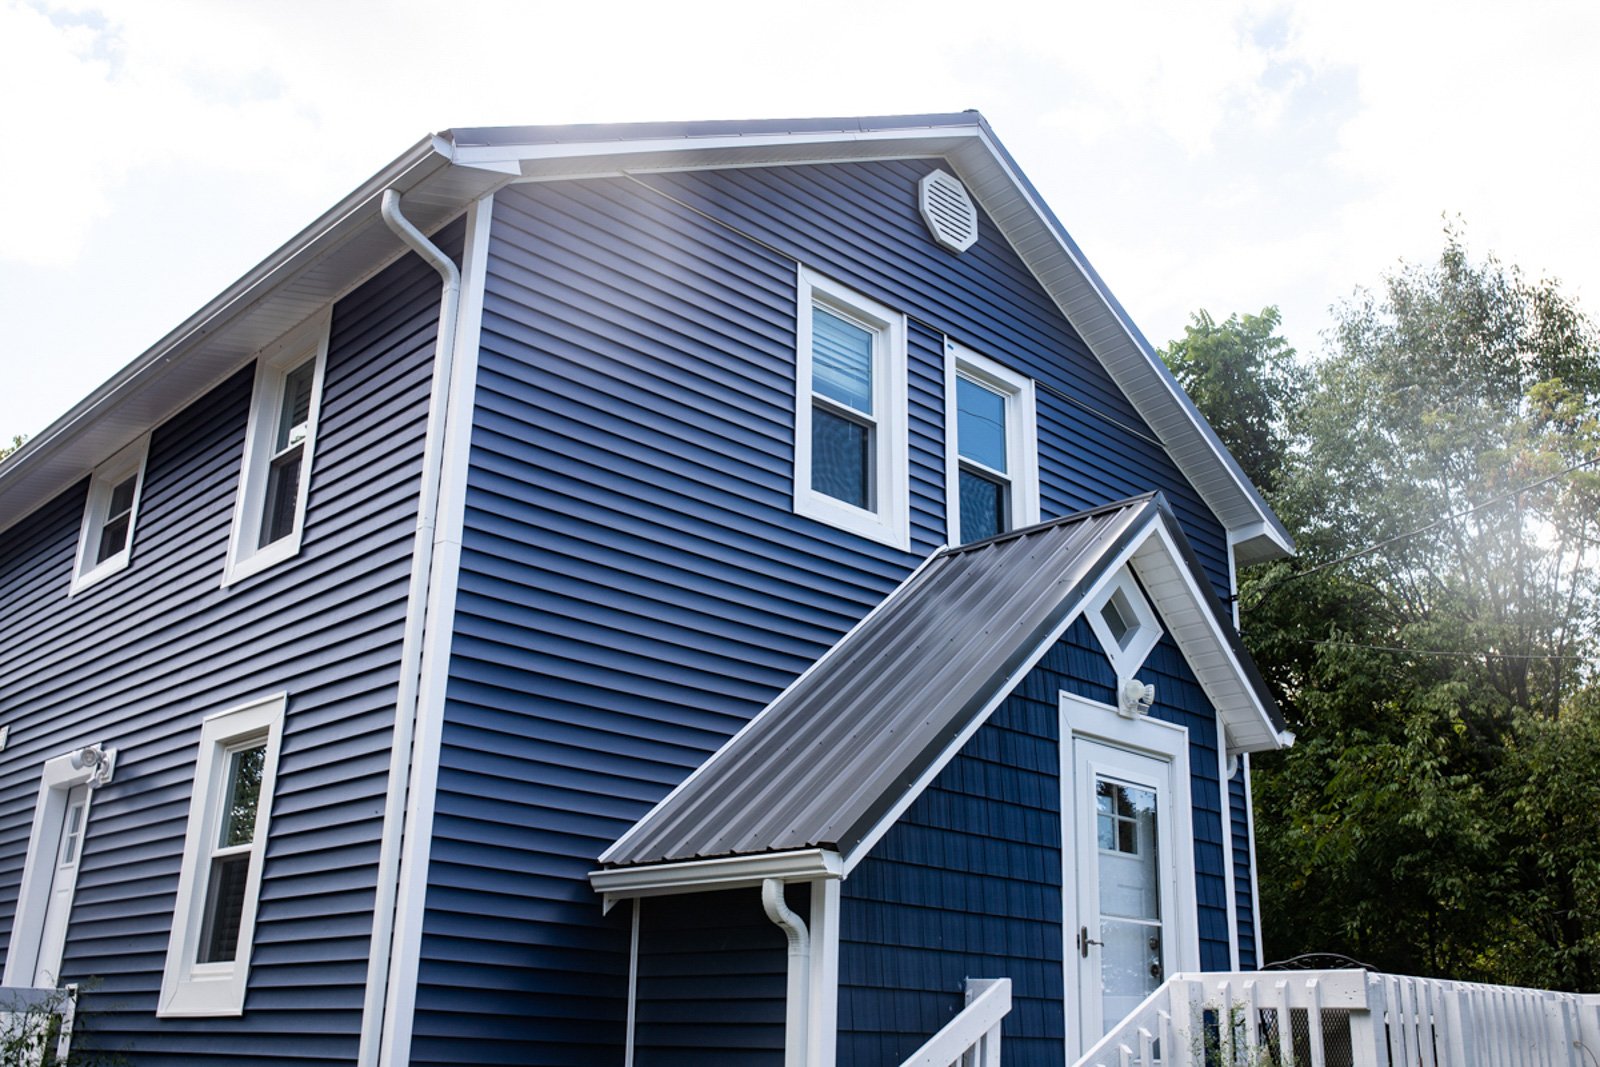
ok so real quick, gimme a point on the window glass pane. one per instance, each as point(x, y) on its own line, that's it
point(1116, 616)
point(219, 936)
point(841, 360)
point(840, 449)
point(296, 410)
point(243, 793)
point(983, 507)
point(122, 498)
point(72, 835)
point(113, 539)
point(283, 497)
point(981, 424)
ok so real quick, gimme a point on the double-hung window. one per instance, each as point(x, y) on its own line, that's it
point(105, 541)
point(213, 922)
point(850, 413)
point(269, 513)
point(992, 481)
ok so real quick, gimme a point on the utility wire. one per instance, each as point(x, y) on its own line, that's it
point(1442, 652)
point(1358, 553)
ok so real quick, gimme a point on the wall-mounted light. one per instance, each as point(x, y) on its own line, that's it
point(98, 760)
point(1135, 698)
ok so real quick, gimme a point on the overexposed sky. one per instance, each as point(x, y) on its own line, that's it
point(1218, 155)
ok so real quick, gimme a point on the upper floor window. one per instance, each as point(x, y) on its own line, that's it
point(213, 921)
point(992, 457)
point(269, 513)
point(105, 542)
point(850, 413)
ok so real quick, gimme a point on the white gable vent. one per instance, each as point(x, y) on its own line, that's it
point(948, 211)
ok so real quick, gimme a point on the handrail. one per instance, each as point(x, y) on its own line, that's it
point(976, 1028)
point(1350, 1019)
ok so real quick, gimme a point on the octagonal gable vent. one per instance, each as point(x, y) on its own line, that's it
point(948, 211)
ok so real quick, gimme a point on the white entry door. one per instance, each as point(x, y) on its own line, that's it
point(1125, 816)
point(63, 883)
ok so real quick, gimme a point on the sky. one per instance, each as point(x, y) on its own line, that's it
point(1224, 155)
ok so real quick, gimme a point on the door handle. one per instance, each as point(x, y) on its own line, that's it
point(1084, 941)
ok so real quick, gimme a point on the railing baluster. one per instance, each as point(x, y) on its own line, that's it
point(1319, 1053)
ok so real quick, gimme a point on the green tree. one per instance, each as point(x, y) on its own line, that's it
point(16, 443)
point(1436, 683)
point(1245, 374)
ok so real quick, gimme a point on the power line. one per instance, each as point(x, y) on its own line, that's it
point(1358, 553)
point(1441, 652)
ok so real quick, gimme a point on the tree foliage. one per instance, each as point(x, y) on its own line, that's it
point(16, 443)
point(1438, 814)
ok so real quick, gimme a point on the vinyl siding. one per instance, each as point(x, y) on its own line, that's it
point(634, 582)
point(713, 974)
point(968, 882)
point(1244, 902)
point(137, 660)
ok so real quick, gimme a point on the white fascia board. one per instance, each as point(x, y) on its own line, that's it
point(1248, 722)
point(1025, 233)
point(529, 157)
point(727, 872)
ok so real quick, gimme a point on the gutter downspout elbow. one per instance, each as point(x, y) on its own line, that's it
point(407, 704)
point(798, 1016)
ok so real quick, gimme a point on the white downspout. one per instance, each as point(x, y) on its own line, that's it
point(797, 1019)
point(411, 648)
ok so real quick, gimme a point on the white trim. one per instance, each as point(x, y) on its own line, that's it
point(246, 556)
point(1227, 843)
point(633, 984)
point(129, 461)
point(1255, 891)
point(1164, 741)
point(190, 988)
point(1145, 627)
point(888, 519)
point(726, 872)
point(405, 849)
point(815, 665)
point(822, 1042)
point(59, 777)
point(1202, 611)
point(1003, 690)
point(1022, 437)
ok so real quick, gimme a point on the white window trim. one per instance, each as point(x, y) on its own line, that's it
point(889, 521)
point(206, 989)
point(129, 461)
point(61, 775)
point(1022, 436)
point(309, 340)
point(1125, 661)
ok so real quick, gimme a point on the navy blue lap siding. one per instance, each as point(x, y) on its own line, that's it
point(1244, 900)
point(634, 582)
point(137, 660)
point(713, 973)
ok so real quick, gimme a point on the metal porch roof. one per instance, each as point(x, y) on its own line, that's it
point(853, 738)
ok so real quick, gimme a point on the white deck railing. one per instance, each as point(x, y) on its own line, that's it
point(36, 1025)
point(972, 1038)
point(1350, 1019)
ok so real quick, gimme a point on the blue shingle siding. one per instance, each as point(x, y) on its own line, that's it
point(966, 884)
point(968, 881)
point(138, 659)
point(634, 583)
point(713, 973)
point(1244, 902)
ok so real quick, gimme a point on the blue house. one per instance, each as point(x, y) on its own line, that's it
point(657, 594)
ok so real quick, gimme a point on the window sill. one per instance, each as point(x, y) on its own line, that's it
point(884, 529)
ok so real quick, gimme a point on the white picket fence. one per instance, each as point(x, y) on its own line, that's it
point(972, 1038)
point(1350, 1019)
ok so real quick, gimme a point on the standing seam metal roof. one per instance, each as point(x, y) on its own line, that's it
point(828, 759)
